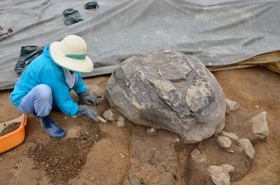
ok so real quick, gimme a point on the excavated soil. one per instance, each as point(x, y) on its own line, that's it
point(64, 159)
point(10, 128)
point(103, 153)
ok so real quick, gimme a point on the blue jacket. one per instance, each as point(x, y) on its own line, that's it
point(43, 70)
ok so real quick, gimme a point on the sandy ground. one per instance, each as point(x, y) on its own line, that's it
point(103, 153)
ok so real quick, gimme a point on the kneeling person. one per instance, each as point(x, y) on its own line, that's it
point(48, 80)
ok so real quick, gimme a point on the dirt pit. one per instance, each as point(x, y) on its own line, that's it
point(126, 155)
point(10, 128)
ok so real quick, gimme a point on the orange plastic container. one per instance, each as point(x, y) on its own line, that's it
point(14, 138)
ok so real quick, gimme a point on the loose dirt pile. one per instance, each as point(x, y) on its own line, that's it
point(64, 159)
point(10, 128)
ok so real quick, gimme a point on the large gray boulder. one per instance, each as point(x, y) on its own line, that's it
point(168, 90)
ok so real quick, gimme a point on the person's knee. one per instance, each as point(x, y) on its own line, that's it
point(44, 92)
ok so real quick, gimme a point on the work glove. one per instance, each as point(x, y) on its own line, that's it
point(83, 111)
point(88, 99)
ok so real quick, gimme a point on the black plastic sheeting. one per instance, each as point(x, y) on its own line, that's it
point(218, 32)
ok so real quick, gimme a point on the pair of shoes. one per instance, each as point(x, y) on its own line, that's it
point(50, 127)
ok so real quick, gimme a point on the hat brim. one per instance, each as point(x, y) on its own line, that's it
point(81, 66)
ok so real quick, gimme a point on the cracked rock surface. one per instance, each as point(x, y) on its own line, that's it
point(168, 90)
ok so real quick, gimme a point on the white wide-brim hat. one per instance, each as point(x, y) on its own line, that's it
point(71, 53)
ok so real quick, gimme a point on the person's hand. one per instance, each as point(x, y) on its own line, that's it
point(83, 111)
point(88, 99)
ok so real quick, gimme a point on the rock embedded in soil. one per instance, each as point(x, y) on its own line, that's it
point(168, 90)
point(224, 142)
point(197, 156)
point(231, 106)
point(247, 146)
point(151, 132)
point(260, 127)
point(220, 174)
point(121, 122)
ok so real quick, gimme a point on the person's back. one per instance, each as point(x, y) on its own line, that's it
point(31, 76)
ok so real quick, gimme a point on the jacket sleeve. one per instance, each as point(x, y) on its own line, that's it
point(80, 86)
point(60, 91)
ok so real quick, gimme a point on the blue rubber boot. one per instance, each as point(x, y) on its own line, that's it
point(50, 127)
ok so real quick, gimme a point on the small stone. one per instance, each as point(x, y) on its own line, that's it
point(108, 115)
point(160, 73)
point(197, 157)
point(247, 146)
point(151, 131)
point(97, 91)
point(121, 122)
point(74, 116)
point(231, 106)
point(223, 141)
point(230, 135)
point(230, 151)
point(91, 179)
point(220, 174)
point(260, 127)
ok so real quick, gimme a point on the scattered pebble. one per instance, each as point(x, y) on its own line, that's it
point(121, 122)
point(151, 131)
point(230, 151)
point(223, 141)
point(230, 135)
point(91, 179)
point(197, 156)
